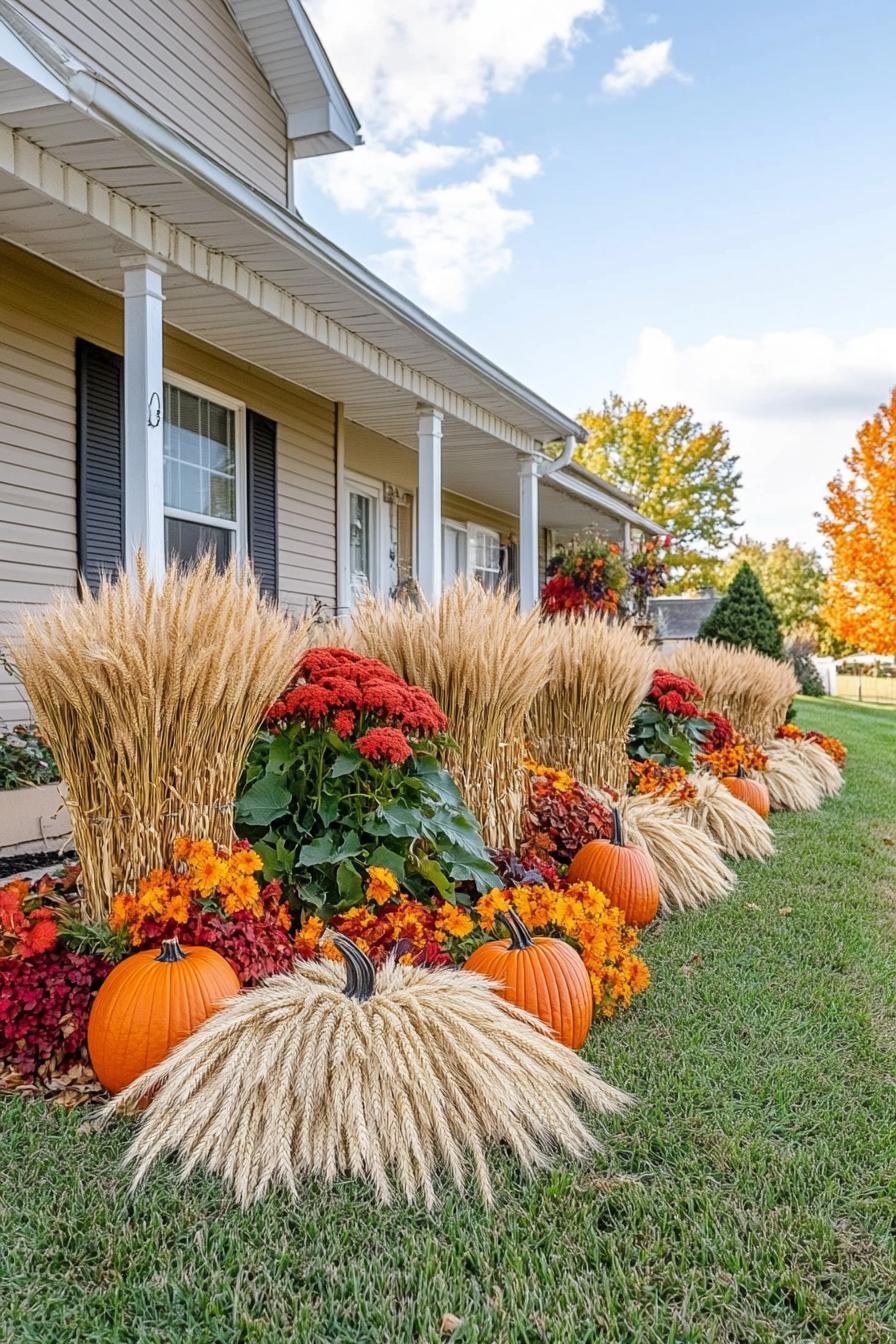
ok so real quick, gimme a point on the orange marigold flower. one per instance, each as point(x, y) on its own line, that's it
point(244, 862)
point(381, 885)
point(454, 921)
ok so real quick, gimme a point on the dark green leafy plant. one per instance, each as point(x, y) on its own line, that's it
point(745, 618)
point(346, 776)
point(25, 758)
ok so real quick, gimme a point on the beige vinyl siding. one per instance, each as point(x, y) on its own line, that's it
point(185, 62)
point(42, 312)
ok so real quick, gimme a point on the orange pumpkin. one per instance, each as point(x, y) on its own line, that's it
point(545, 976)
point(149, 1003)
point(626, 874)
point(753, 792)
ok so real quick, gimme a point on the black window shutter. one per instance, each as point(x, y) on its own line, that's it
point(261, 473)
point(100, 459)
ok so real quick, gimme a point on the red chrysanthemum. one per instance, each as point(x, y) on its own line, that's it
point(384, 744)
point(344, 722)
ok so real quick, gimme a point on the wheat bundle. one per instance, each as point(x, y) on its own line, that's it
point(484, 663)
point(824, 771)
point(688, 860)
point(790, 778)
point(148, 695)
point(340, 1070)
point(751, 690)
point(738, 831)
point(600, 673)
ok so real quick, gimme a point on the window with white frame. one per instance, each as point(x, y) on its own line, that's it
point(364, 535)
point(484, 555)
point(454, 550)
point(204, 436)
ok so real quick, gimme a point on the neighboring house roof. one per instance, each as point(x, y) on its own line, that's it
point(681, 617)
point(319, 117)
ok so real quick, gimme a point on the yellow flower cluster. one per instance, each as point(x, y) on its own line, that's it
point(583, 915)
point(203, 873)
point(560, 780)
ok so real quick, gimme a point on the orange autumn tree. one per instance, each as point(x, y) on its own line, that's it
point(861, 533)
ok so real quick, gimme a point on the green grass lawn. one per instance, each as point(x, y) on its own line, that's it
point(750, 1195)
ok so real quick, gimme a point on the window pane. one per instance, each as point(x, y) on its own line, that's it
point(187, 541)
point(485, 556)
point(361, 544)
point(200, 455)
point(454, 548)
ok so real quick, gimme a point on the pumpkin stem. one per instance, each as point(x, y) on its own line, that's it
point(359, 969)
point(616, 835)
point(171, 951)
point(520, 937)
point(741, 772)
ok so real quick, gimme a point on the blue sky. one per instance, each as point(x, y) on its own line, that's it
point(690, 202)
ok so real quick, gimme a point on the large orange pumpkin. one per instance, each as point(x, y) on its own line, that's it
point(753, 792)
point(545, 976)
point(149, 1003)
point(626, 874)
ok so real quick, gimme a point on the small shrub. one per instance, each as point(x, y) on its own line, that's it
point(44, 1006)
point(25, 758)
point(799, 653)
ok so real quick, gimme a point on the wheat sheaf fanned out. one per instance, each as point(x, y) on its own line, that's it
point(826, 773)
point(600, 673)
point(790, 778)
point(306, 1077)
point(691, 870)
point(148, 694)
point(750, 689)
point(739, 832)
point(484, 663)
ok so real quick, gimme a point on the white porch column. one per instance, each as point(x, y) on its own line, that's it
point(143, 429)
point(429, 501)
point(529, 476)
point(627, 541)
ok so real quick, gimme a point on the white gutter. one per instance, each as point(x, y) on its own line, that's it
point(89, 94)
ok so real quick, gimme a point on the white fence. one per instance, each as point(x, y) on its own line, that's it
point(870, 690)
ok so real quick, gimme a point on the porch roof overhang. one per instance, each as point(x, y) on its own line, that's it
point(87, 176)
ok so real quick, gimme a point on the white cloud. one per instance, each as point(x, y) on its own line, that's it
point(408, 68)
point(791, 400)
point(639, 67)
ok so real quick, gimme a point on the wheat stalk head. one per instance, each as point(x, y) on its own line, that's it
point(341, 1070)
point(148, 694)
point(579, 720)
point(484, 663)
point(750, 689)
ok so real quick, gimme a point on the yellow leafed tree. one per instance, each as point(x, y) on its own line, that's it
point(860, 528)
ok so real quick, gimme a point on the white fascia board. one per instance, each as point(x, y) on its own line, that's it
point(572, 484)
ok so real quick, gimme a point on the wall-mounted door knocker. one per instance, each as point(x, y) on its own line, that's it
point(155, 411)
